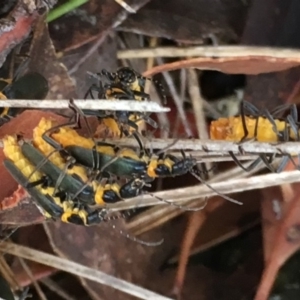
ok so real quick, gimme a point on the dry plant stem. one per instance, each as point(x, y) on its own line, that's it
point(225, 187)
point(196, 219)
point(37, 287)
point(220, 147)
point(162, 117)
point(178, 101)
point(126, 6)
point(79, 270)
point(217, 241)
point(287, 192)
point(183, 83)
point(199, 104)
point(150, 60)
point(101, 104)
point(183, 87)
point(286, 243)
point(201, 156)
point(194, 91)
point(211, 51)
point(157, 216)
point(7, 273)
point(89, 52)
point(53, 286)
point(194, 224)
point(122, 45)
point(191, 193)
point(120, 18)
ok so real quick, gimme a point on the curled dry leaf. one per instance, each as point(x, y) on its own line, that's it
point(233, 65)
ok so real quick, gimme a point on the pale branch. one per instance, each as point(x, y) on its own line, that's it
point(224, 187)
point(211, 51)
point(213, 146)
point(99, 104)
point(79, 270)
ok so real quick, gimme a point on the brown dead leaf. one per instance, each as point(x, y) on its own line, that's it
point(189, 21)
point(101, 247)
point(231, 65)
point(17, 25)
point(88, 22)
point(104, 57)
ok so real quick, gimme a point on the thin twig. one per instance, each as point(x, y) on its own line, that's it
point(211, 51)
point(162, 117)
point(36, 285)
point(79, 270)
point(94, 47)
point(126, 6)
point(177, 100)
point(217, 241)
point(212, 146)
point(117, 20)
point(225, 187)
point(158, 215)
point(101, 104)
point(53, 286)
point(194, 91)
point(200, 156)
point(8, 274)
point(206, 151)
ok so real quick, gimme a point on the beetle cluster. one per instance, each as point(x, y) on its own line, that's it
point(262, 126)
point(73, 178)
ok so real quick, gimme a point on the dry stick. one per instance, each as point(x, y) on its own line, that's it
point(7, 273)
point(224, 187)
point(182, 94)
point(197, 101)
point(101, 104)
point(79, 270)
point(199, 104)
point(212, 51)
point(36, 285)
point(162, 117)
point(89, 52)
point(195, 221)
point(201, 156)
point(217, 241)
point(100, 39)
point(178, 101)
point(53, 286)
point(220, 147)
point(156, 216)
point(193, 88)
point(126, 6)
